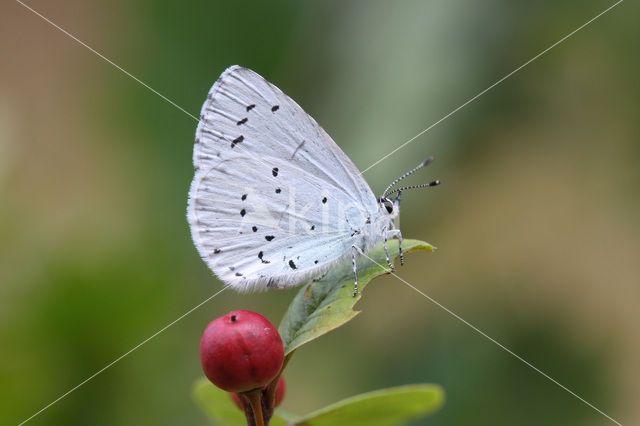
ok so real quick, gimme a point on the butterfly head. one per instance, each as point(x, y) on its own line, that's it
point(390, 206)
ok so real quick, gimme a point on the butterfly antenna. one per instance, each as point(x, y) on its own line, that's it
point(404, 188)
point(409, 173)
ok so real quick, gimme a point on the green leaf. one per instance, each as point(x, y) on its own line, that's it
point(218, 406)
point(322, 306)
point(384, 407)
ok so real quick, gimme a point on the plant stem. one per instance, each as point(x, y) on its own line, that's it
point(270, 393)
point(255, 399)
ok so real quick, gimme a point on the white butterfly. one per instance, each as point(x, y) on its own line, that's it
point(274, 201)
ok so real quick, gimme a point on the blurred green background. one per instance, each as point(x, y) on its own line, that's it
point(537, 222)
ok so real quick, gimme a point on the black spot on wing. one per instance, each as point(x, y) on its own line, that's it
point(237, 141)
point(238, 274)
point(275, 108)
point(244, 197)
point(313, 227)
point(254, 228)
point(278, 190)
point(292, 265)
point(269, 237)
point(260, 257)
point(216, 251)
point(274, 171)
point(250, 107)
point(315, 261)
point(324, 200)
point(243, 212)
point(244, 120)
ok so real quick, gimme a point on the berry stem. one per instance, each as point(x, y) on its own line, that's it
point(270, 392)
point(255, 399)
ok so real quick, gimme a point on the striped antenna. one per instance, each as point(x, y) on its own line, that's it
point(424, 185)
point(409, 173)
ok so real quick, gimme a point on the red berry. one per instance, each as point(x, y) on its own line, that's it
point(280, 387)
point(241, 351)
point(279, 395)
point(236, 400)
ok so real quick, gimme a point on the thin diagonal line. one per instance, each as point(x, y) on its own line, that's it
point(500, 345)
point(493, 85)
point(124, 355)
point(109, 61)
point(250, 153)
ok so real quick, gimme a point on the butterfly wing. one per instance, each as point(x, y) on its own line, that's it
point(274, 200)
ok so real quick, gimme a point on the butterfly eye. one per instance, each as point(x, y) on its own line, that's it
point(388, 205)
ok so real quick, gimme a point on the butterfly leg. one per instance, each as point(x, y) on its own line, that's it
point(399, 235)
point(354, 251)
point(386, 253)
point(397, 231)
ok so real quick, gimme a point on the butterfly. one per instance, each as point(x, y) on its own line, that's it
point(274, 202)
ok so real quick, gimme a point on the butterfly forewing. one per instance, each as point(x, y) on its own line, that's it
point(274, 200)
